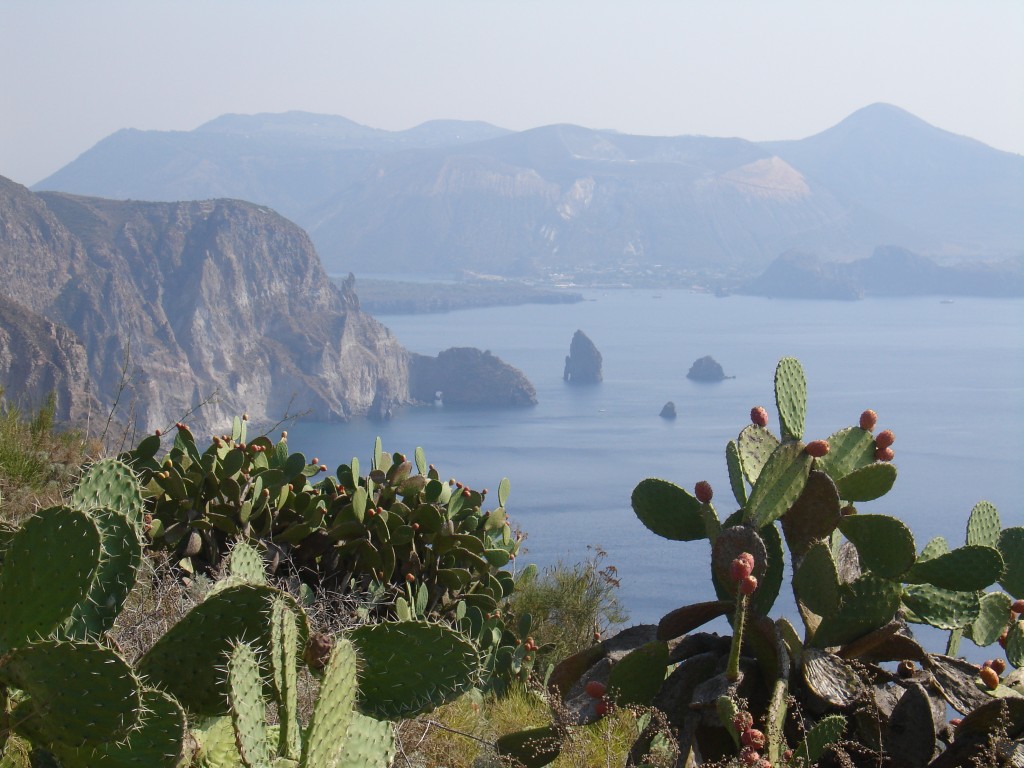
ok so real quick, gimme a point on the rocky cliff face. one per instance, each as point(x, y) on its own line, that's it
point(583, 363)
point(467, 376)
point(218, 302)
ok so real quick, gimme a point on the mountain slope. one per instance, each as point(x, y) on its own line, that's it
point(449, 196)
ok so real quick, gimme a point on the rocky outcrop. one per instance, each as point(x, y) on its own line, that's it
point(467, 376)
point(668, 411)
point(220, 303)
point(706, 369)
point(583, 363)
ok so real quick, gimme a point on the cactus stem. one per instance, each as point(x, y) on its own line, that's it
point(733, 670)
point(953, 644)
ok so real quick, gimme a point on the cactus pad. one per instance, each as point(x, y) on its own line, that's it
point(180, 661)
point(111, 484)
point(120, 557)
point(1011, 546)
point(983, 526)
point(532, 748)
point(940, 607)
point(83, 692)
point(246, 565)
point(284, 641)
point(636, 679)
point(791, 397)
point(668, 510)
point(849, 449)
point(1015, 644)
point(49, 567)
point(730, 544)
point(411, 667)
point(368, 743)
point(867, 483)
point(770, 584)
point(754, 445)
point(826, 731)
point(865, 604)
point(248, 710)
point(735, 467)
point(816, 581)
point(995, 607)
point(814, 515)
point(966, 569)
point(779, 485)
point(885, 546)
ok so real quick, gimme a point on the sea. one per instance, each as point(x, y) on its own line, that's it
point(947, 376)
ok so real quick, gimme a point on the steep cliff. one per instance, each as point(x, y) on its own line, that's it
point(583, 363)
point(221, 303)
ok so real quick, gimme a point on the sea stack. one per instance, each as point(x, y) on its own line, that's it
point(706, 369)
point(668, 411)
point(583, 363)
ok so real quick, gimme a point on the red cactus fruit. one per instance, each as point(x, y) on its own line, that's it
point(157, 432)
point(318, 650)
point(989, 678)
point(703, 492)
point(787, 755)
point(885, 439)
point(748, 586)
point(749, 755)
point(884, 454)
point(955, 721)
point(595, 689)
point(999, 665)
point(601, 708)
point(740, 568)
point(868, 419)
point(1018, 606)
point(753, 738)
point(409, 577)
point(759, 416)
point(742, 721)
point(1002, 638)
point(816, 448)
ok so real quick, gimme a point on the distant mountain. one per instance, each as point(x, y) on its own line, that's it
point(889, 271)
point(451, 196)
point(164, 306)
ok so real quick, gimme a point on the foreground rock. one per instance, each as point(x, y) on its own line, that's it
point(706, 369)
point(583, 363)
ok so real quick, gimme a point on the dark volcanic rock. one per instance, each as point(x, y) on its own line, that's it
point(583, 363)
point(668, 411)
point(706, 369)
point(467, 376)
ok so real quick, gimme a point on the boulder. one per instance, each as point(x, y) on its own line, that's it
point(668, 411)
point(583, 363)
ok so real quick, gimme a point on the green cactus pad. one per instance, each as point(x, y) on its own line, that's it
point(246, 565)
point(828, 730)
point(120, 557)
point(411, 667)
point(868, 483)
point(1015, 644)
point(181, 660)
point(779, 485)
point(686, 619)
point(814, 515)
point(248, 710)
point(983, 526)
point(770, 583)
point(216, 747)
point(995, 608)
point(865, 604)
point(735, 467)
point(849, 449)
point(368, 743)
point(1011, 546)
point(532, 748)
point(636, 679)
point(110, 484)
point(668, 510)
point(934, 548)
point(884, 544)
point(791, 397)
point(157, 742)
point(941, 608)
point(85, 693)
point(284, 642)
point(754, 445)
point(49, 566)
point(966, 569)
point(816, 581)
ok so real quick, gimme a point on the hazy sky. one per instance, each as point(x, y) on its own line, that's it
point(72, 72)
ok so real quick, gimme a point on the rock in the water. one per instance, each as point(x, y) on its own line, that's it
point(583, 363)
point(706, 369)
point(467, 376)
point(668, 411)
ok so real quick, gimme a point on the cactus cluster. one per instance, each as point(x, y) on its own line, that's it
point(858, 580)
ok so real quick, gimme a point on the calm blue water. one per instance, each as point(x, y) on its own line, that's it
point(947, 378)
